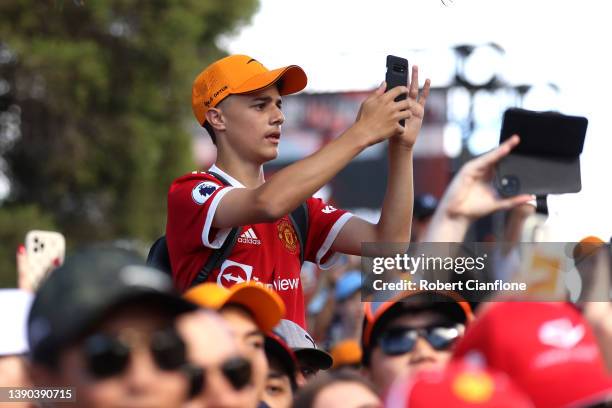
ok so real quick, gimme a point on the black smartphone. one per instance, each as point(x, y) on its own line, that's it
point(547, 160)
point(397, 75)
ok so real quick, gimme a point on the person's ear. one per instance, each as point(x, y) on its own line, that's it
point(215, 118)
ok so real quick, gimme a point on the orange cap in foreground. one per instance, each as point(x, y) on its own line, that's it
point(265, 305)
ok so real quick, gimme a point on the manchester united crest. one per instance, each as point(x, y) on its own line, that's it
point(287, 236)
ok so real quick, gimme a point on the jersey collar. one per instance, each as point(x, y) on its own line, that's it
point(230, 179)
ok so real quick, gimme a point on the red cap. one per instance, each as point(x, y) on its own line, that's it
point(461, 385)
point(548, 349)
point(276, 346)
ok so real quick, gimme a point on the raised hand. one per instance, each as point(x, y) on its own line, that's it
point(379, 115)
point(416, 109)
point(471, 194)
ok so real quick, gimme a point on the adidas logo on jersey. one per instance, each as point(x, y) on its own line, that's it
point(328, 209)
point(249, 237)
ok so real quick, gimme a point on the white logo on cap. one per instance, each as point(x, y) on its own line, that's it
point(561, 333)
point(202, 191)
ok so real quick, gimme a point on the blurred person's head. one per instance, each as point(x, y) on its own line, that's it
point(348, 296)
point(585, 259)
point(341, 388)
point(414, 331)
point(281, 383)
point(251, 310)
point(226, 377)
point(311, 359)
point(460, 385)
point(15, 306)
point(424, 207)
point(347, 354)
point(103, 323)
point(237, 100)
point(547, 349)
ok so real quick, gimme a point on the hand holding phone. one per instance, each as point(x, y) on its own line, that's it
point(397, 75)
point(547, 159)
point(44, 251)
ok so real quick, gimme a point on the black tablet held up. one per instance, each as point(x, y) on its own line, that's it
point(547, 161)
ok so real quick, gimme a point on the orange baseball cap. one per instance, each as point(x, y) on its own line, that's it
point(265, 305)
point(346, 353)
point(240, 74)
point(587, 247)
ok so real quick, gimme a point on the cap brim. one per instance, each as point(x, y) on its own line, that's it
point(315, 357)
point(266, 306)
point(416, 299)
point(293, 80)
point(173, 304)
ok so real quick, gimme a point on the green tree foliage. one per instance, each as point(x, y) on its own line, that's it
point(95, 110)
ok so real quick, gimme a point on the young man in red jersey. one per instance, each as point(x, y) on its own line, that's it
point(238, 101)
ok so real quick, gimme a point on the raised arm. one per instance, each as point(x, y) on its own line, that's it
point(471, 196)
point(285, 190)
point(396, 213)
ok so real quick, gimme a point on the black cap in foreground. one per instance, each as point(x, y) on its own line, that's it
point(81, 292)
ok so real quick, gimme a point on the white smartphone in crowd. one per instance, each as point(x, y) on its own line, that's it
point(45, 251)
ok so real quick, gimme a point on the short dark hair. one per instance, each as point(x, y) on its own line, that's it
point(211, 132)
point(306, 396)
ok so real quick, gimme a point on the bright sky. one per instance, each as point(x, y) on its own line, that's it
point(342, 45)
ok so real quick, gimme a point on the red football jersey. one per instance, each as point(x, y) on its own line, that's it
point(268, 253)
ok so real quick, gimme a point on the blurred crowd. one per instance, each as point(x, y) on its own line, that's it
point(104, 328)
point(115, 331)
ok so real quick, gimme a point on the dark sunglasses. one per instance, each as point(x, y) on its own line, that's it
point(108, 355)
point(236, 370)
point(402, 340)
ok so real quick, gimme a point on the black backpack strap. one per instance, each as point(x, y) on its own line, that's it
point(219, 255)
point(158, 256)
point(299, 219)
